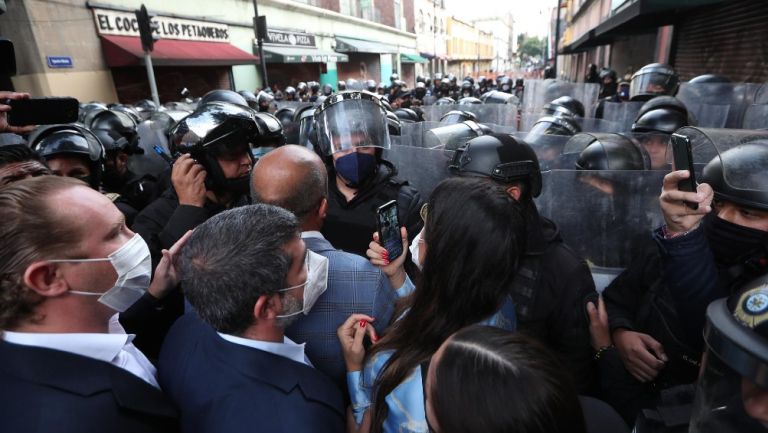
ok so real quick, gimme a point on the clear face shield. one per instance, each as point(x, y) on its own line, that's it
point(653, 83)
point(351, 119)
point(657, 146)
point(732, 392)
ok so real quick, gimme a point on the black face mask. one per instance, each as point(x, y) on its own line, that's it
point(112, 180)
point(731, 243)
point(239, 186)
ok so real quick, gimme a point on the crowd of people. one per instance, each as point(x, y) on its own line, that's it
point(215, 265)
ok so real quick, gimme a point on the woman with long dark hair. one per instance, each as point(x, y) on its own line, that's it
point(488, 380)
point(469, 251)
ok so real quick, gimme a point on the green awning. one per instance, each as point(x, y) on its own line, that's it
point(412, 58)
point(278, 54)
point(349, 45)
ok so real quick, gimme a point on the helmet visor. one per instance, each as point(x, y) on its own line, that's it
point(349, 120)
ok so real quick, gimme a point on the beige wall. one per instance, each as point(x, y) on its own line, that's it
point(85, 86)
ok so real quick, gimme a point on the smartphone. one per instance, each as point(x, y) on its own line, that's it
point(7, 58)
point(389, 229)
point(683, 160)
point(42, 111)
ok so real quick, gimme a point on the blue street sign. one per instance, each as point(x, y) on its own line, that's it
point(59, 61)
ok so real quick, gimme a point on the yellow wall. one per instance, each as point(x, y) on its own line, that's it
point(85, 86)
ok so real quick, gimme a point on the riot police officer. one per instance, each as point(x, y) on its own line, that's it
point(290, 93)
point(211, 175)
point(655, 123)
point(653, 80)
point(301, 90)
point(553, 283)
point(352, 131)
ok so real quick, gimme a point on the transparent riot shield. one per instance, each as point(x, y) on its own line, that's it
point(708, 143)
point(622, 113)
point(412, 134)
point(451, 137)
point(527, 120)
point(433, 113)
point(292, 131)
point(540, 92)
point(700, 97)
point(150, 134)
point(291, 104)
point(497, 114)
point(602, 215)
point(423, 168)
point(755, 117)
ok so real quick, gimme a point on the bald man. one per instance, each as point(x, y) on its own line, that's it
point(295, 178)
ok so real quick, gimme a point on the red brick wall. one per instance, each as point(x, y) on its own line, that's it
point(409, 15)
point(386, 12)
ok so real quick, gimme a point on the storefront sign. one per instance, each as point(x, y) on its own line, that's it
point(59, 61)
point(291, 39)
point(124, 24)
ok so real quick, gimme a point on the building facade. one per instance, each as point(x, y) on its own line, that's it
point(91, 50)
point(470, 51)
point(694, 36)
point(501, 30)
point(431, 36)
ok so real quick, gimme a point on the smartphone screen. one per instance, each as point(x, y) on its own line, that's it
point(42, 111)
point(389, 229)
point(683, 160)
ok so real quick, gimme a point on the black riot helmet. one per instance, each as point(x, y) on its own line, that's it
point(327, 90)
point(222, 95)
point(285, 115)
point(54, 140)
point(438, 76)
point(467, 88)
point(394, 77)
point(551, 125)
point(351, 119)
point(564, 106)
point(469, 100)
point(663, 120)
point(420, 79)
point(116, 121)
point(453, 136)
point(740, 175)
point(129, 110)
point(608, 73)
point(370, 85)
point(250, 98)
point(113, 141)
point(342, 86)
point(470, 79)
point(305, 117)
point(301, 88)
point(393, 123)
point(217, 129)
point(290, 91)
point(314, 86)
point(270, 130)
point(709, 78)
point(653, 80)
point(665, 103)
point(145, 107)
point(549, 72)
point(505, 84)
point(264, 101)
point(87, 111)
point(456, 116)
point(445, 101)
point(445, 84)
point(497, 97)
point(420, 91)
point(733, 383)
point(500, 157)
point(406, 114)
point(608, 152)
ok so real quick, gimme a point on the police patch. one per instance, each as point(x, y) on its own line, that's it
point(752, 309)
point(756, 303)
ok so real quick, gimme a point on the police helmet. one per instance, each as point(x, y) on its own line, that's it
point(609, 152)
point(249, 97)
point(457, 116)
point(301, 88)
point(740, 175)
point(470, 79)
point(420, 91)
point(393, 123)
point(564, 106)
point(709, 78)
point(469, 100)
point(285, 115)
point(500, 157)
point(114, 141)
point(552, 125)
point(223, 95)
point(116, 121)
point(54, 140)
point(608, 73)
point(445, 101)
point(406, 114)
point(663, 120)
point(314, 86)
point(327, 89)
point(290, 90)
point(213, 130)
point(497, 97)
point(653, 80)
point(420, 79)
point(394, 77)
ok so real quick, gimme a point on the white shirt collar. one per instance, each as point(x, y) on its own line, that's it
point(312, 234)
point(286, 349)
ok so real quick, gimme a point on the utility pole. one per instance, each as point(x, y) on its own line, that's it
point(260, 30)
point(146, 31)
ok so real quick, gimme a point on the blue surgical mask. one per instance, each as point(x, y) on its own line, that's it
point(356, 168)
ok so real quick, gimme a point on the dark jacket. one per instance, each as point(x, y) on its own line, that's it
point(222, 387)
point(552, 307)
point(45, 390)
point(350, 225)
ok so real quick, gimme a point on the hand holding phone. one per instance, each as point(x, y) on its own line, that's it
point(42, 111)
point(683, 160)
point(389, 229)
point(188, 179)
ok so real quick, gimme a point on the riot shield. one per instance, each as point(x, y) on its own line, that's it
point(497, 114)
point(548, 148)
point(150, 134)
point(527, 120)
point(622, 113)
point(412, 134)
point(291, 104)
point(698, 96)
point(539, 92)
point(422, 168)
point(707, 143)
point(602, 215)
point(451, 137)
point(755, 117)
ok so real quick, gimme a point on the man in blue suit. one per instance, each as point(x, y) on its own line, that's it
point(229, 367)
point(68, 263)
point(295, 178)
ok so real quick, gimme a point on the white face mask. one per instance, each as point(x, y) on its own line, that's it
point(133, 264)
point(316, 284)
point(414, 248)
